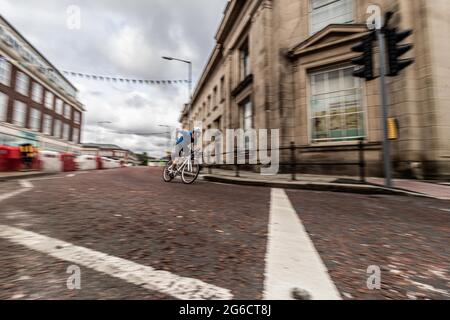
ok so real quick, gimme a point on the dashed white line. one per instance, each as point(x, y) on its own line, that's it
point(292, 261)
point(131, 272)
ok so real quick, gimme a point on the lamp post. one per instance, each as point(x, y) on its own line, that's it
point(189, 81)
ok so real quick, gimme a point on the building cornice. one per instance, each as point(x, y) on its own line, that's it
point(13, 29)
point(342, 32)
point(231, 14)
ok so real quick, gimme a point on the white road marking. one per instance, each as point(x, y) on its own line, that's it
point(131, 272)
point(26, 186)
point(291, 259)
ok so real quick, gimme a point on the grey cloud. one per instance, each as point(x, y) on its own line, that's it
point(123, 38)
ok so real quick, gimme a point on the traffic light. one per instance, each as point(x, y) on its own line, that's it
point(396, 50)
point(365, 61)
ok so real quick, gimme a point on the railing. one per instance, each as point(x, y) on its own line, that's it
point(295, 160)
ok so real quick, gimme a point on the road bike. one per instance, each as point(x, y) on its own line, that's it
point(189, 170)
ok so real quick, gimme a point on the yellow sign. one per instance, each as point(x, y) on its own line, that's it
point(393, 128)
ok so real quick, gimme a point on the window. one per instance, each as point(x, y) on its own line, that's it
point(222, 89)
point(215, 97)
point(76, 135)
point(57, 132)
point(67, 111)
point(218, 123)
point(35, 119)
point(59, 106)
point(22, 83)
point(66, 132)
point(325, 12)
point(3, 106)
point(246, 115)
point(5, 72)
point(37, 92)
point(244, 57)
point(20, 113)
point(209, 104)
point(47, 127)
point(49, 100)
point(77, 117)
point(336, 107)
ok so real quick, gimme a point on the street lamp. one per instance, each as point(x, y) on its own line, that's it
point(190, 81)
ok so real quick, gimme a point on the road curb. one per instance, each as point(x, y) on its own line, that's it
point(314, 186)
point(25, 177)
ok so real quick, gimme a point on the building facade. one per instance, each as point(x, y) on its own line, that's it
point(285, 64)
point(109, 151)
point(38, 105)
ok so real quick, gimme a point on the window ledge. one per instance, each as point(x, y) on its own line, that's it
point(241, 86)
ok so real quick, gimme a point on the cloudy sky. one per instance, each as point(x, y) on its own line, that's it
point(123, 38)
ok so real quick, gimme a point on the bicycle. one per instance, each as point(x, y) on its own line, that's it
point(188, 170)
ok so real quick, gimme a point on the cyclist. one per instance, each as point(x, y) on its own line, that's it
point(185, 144)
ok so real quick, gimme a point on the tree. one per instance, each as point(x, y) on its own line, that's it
point(143, 159)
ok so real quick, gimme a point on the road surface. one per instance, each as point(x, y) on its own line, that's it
point(132, 236)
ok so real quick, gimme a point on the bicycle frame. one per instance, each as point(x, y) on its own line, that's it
point(187, 161)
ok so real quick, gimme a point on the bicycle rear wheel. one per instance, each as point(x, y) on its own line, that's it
point(189, 175)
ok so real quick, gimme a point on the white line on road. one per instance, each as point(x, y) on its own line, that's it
point(26, 185)
point(131, 272)
point(291, 259)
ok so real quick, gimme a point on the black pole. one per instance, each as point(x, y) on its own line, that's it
point(293, 161)
point(362, 161)
point(236, 168)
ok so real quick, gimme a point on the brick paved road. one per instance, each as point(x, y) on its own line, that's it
point(217, 234)
point(205, 231)
point(408, 238)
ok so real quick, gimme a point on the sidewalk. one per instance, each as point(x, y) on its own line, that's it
point(435, 190)
point(17, 175)
point(331, 183)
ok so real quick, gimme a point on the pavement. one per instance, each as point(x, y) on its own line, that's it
point(132, 236)
point(350, 184)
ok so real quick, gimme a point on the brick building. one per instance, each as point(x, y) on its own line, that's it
point(38, 105)
point(284, 64)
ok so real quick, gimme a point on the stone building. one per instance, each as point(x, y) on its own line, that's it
point(284, 64)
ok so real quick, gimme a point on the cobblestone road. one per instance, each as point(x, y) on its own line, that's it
point(217, 234)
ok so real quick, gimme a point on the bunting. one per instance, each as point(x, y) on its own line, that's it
point(122, 79)
point(118, 79)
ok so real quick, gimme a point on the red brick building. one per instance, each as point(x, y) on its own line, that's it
point(38, 105)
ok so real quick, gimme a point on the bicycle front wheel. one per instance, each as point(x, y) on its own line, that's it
point(190, 173)
point(167, 175)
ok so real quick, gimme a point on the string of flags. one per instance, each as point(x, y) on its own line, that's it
point(104, 78)
point(122, 80)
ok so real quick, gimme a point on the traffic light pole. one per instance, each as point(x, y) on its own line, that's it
point(384, 106)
